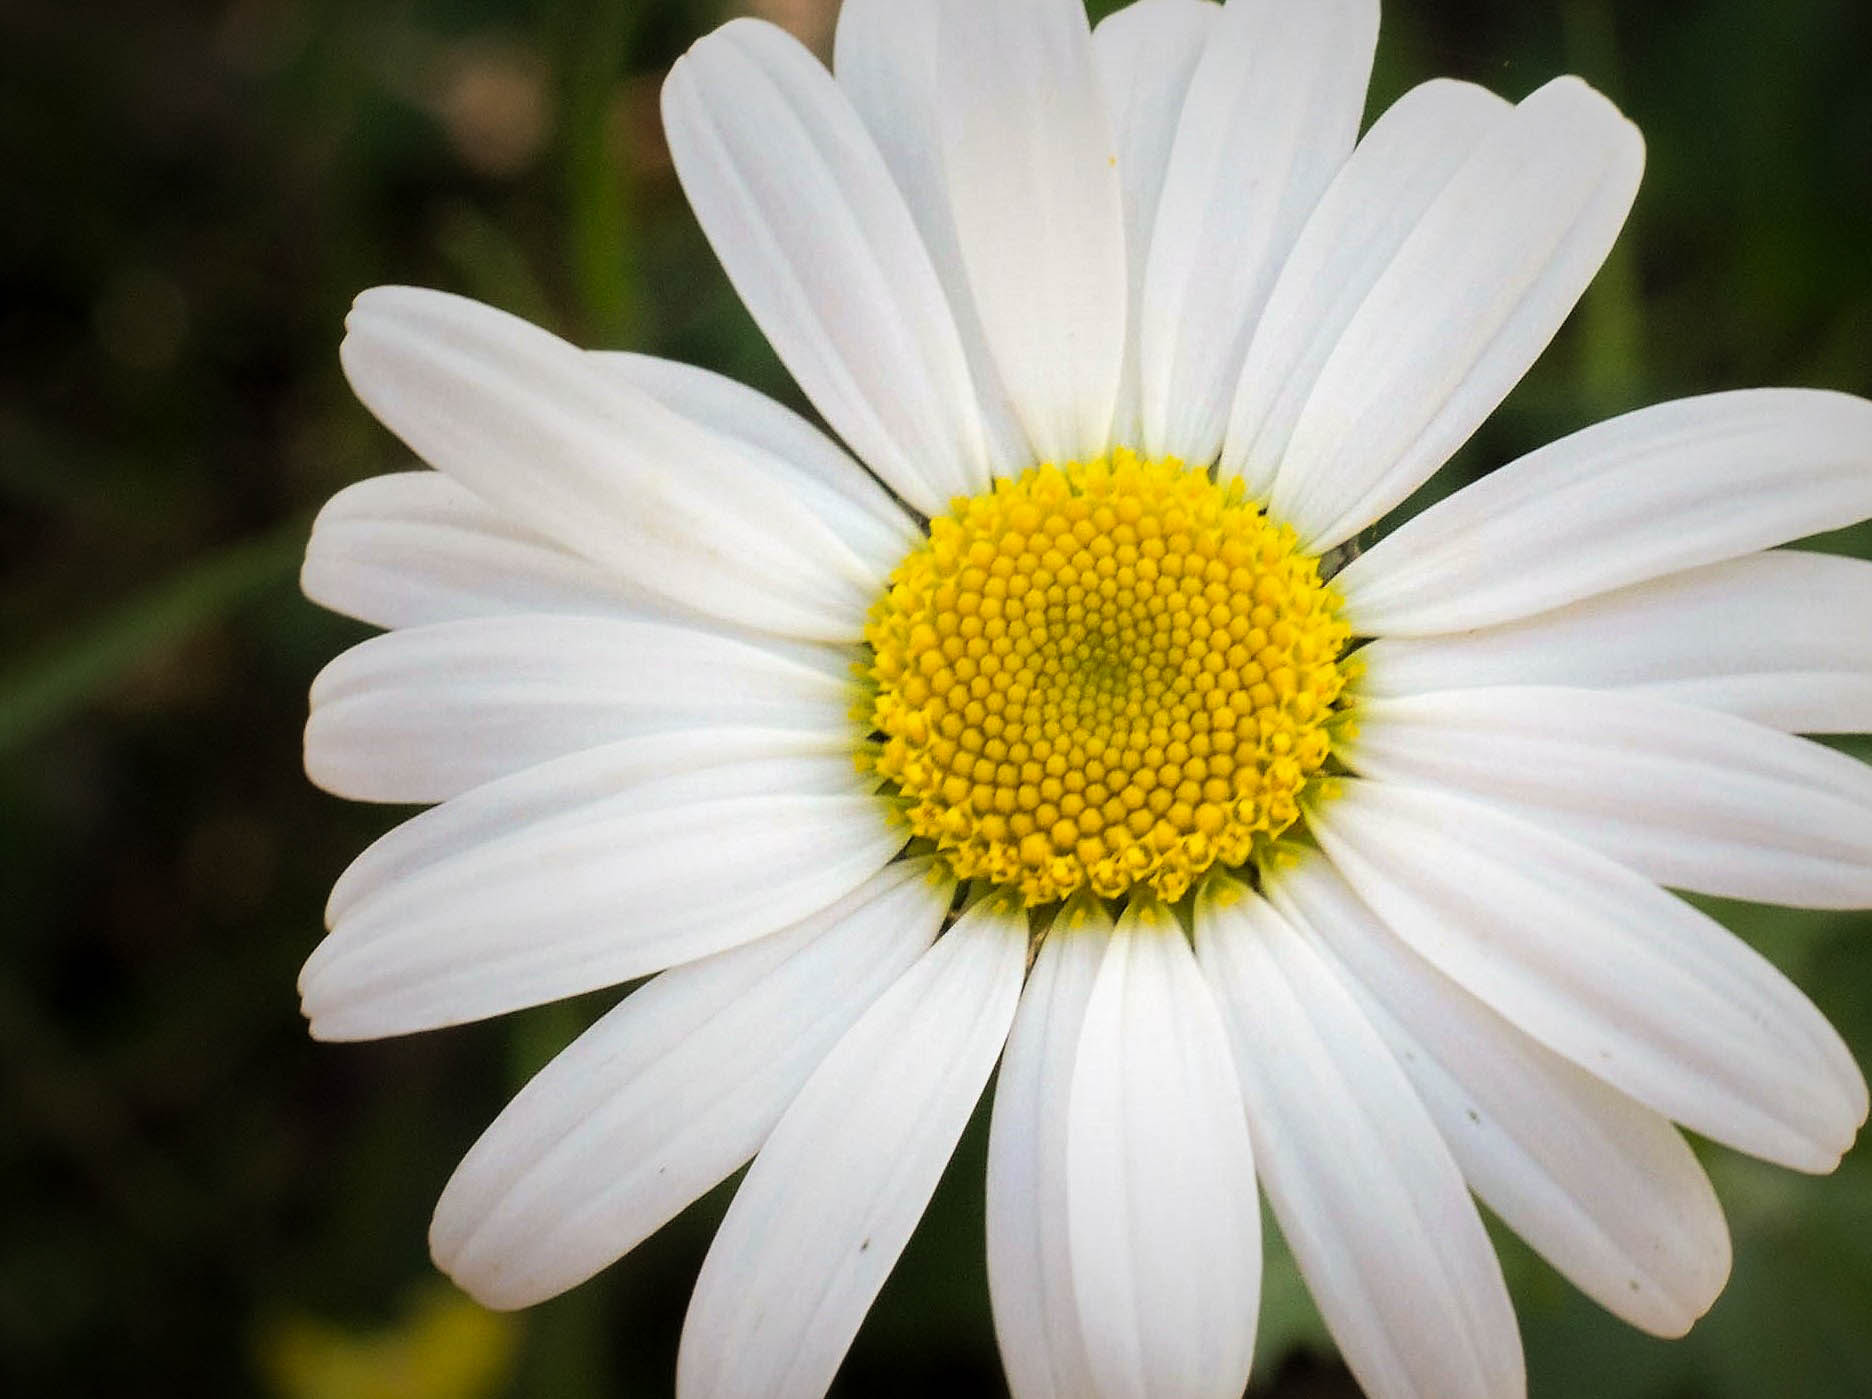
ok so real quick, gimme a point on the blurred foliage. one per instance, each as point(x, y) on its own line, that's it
point(201, 1201)
point(446, 1348)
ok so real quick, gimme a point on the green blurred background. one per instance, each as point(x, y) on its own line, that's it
point(198, 1200)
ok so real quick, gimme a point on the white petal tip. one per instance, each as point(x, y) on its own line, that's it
point(337, 1019)
point(326, 1031)
point(491, 1293)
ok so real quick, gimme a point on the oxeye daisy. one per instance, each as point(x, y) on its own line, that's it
point(1052, 716)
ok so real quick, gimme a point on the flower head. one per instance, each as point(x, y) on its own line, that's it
point(1072, 729)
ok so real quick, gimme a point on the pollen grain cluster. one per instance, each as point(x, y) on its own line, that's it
point(1109, 674)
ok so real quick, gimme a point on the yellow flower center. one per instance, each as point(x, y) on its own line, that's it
point(1108, 674)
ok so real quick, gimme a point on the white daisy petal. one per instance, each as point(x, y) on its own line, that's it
point(1032, 169)
point(669, 1093)
point(1387, 186)
point(1604, 1189)
point(803, 214)
point(884, 58)
point(1145, 55)
point(675, 765)
point(629, 887)
point(1464, 307)
point(1691, 799)
point(424, 714)
point(1166, 1227)
point(835, 1193)
point(841, 491)
point(416, 547)
point(1272, 112)
point(1036, 1311)
point(538, 430)
point(1662, 489)
point(1774, 637)
point(1365, 1190)
point(1813, 702)
point(1602, 966)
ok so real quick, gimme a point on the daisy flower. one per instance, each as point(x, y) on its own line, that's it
point(1055, 718)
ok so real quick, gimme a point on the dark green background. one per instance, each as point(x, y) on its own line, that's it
point(190, 194)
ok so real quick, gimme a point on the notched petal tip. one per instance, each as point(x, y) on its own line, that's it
point(325, 1021)
point(322, 1031)
point(1852, 1118)
point(494, 1285)
point(313, 755)
point(1599, 115)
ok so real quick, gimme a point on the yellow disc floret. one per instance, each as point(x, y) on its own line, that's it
point(1108, 674)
